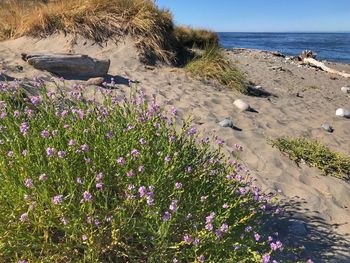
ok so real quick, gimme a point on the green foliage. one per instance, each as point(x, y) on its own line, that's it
point(115, 182)
point(316, 155)
point(214, 66)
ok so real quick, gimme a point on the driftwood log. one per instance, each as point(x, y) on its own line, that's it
point(315, 63)
point(68, 64)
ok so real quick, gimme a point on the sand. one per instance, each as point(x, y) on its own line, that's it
point(298, 100)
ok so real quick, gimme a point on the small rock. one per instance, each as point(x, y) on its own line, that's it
point(95, 81)
point(327, 127)
point(297, 227)
point(258, 87)
point(240, 104)
point(226, 123)
point(342, 113)
point(346, 90)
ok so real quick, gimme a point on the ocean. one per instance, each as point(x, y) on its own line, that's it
point(328, 46)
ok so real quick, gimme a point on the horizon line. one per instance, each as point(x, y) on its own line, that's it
point(289, 32)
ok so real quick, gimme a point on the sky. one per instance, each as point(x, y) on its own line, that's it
point(262, 15)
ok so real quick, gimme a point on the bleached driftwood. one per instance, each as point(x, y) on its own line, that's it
point(68, 64)
point(318, 64)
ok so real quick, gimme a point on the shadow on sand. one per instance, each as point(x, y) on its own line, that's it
point(313, 237)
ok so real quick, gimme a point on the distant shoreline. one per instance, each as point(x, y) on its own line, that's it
point(328, 46)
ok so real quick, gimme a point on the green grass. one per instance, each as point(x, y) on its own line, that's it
point(118, 182)
point(193, 37)
point(316, 155)
point(212, 65)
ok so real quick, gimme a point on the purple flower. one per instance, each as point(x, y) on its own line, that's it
point(166, 216)
point(266, 258)
point(201, 258)
point(141, 169)
point(24, 217)
point(84, 237)
point(42, 177)
point(210, 217)
point(142, 191)
point(99, 176)
point(22, 261)
point(310, 261)
point(61, 154)
point(178, 185)
point(143, 141)
point(79, 181)
point(28, 183)
point(257, 236)
point(135, 153)
point(225, 206)
point(99, 186)
point(167, 158)
point(24, 153)
point(248, 229)
point(121, 161)
point(196, 242)
point(224, 228)
point(50, 151)
point(192, 131)
point(45, 134)
point(64, 220)
point(130, 173)
point(109, 134)
point(209, 226)
point(57, 199)
point(10, 154)
point(238, 147)
point(24, 127)
point(71, 143)
point(173, 111)
point(84, 148)
point(131, 187)
point(218, 233)
point(173, 206)
point(187, 238)
point(87, 196)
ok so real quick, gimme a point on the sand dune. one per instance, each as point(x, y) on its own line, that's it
point(302, 99)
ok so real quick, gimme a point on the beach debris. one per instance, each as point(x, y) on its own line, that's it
point(342, 113)
point(95, 81)
point(346, 90)
point(320, 65)
point(307, 54)
point(327, 127)
point(297, 227)
point(68, 64)
point(240, 104)
point(226, 123)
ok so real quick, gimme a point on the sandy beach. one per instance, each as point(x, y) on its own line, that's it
point(293, 100)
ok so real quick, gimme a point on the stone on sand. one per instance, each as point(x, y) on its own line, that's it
point(226, 123)
point(327, 127)
point(297, 227)
point(346, 90)
point(342, 113)
point(241, 105)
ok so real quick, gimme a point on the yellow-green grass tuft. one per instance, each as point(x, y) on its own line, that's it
point(200, 38)
point(98, 20)
point(316, 155)
point(212, 65)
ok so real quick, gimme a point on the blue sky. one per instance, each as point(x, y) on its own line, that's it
point(262, 15)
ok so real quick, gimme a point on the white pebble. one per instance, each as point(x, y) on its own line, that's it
point(342, 113)
point(240, 104)
point(346, 90)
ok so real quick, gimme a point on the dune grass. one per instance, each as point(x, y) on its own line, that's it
point(316, 155)
point(193, 37)
point(212, 65)
point(118, 182)
point(99, 20)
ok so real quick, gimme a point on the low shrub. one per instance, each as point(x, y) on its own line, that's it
point(115, 182)
point(316, 155)
point(214, 66)
point(200, 38)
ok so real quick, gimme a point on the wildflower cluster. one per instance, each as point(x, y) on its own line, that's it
point(116, 182)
